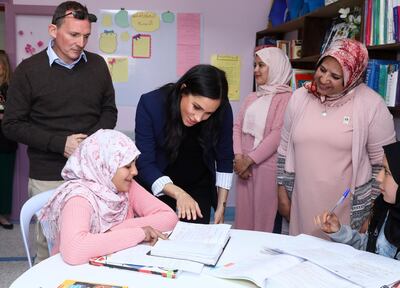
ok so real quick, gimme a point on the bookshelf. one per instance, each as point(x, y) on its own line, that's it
point(311, 29)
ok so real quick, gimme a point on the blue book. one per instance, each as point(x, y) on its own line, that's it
point(373, 71)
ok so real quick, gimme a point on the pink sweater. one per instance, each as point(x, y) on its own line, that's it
point(272, 131)
point(77, 245)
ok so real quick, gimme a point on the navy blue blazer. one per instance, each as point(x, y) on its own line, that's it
point(150, 138)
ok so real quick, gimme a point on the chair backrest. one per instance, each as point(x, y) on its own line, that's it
point(30, 208)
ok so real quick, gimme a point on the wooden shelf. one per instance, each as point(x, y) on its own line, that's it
point(392, 46)
point(308, 59)
point(329, 11)
point(395, 111)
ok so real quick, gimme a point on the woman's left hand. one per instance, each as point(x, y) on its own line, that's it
point(220, 211)
point(219, 214)
point(241, 165)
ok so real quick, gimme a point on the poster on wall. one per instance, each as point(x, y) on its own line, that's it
point(146, 49)
point(230, 64)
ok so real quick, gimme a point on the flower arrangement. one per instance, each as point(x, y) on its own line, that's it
point(352, 18)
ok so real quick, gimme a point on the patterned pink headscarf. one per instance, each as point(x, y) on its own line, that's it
point(352, 57)
point(88, 174)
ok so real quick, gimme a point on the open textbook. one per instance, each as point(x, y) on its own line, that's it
point(306, 261)
point(202, 243)
point(281, 270)
point(360, 267)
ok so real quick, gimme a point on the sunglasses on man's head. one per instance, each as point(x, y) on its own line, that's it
point(78, 14)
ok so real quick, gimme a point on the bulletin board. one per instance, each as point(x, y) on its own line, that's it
point(147, 49)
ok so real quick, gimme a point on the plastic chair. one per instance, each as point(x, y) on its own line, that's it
point(30, 208)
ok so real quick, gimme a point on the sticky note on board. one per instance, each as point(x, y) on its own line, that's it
point(106, 20)
point(141, 46)
point(108, 42)
point(121, 18)
point(124, 36)
point(118, 67)
point(145, 21)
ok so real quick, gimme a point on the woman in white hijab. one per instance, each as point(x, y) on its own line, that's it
point(256, 136)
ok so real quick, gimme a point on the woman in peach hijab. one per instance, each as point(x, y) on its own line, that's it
point(256, 135)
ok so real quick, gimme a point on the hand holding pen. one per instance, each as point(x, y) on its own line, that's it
point(328, 221)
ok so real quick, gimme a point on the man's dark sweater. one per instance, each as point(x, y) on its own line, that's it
point(46, 104)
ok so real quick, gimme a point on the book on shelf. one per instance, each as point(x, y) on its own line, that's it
point(392, 84)
point(295, 49)
point(266, 40)
point(300, 76)
point(284, 45)
point(292, 48)
point(337, 30)
point(202, 243)
point(381, 23)
point(83, 284)
point(383, 77)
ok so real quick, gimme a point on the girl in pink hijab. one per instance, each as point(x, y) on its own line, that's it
point(100, 209)
point(256, 135)
point(332, 140)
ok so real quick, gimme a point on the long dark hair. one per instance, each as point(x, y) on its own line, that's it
point(200, 80)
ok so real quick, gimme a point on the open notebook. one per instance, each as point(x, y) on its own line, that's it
point(202, 243)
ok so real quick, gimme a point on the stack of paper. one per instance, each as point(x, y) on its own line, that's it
point(202, 243)
point(307, 261)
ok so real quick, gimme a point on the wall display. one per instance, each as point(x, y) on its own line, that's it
point(142, 51)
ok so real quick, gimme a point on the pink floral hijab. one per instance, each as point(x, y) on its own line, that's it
point(88, 174)
point(352, 57)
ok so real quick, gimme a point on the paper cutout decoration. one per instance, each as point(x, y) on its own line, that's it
point(118, 69)
point(29, 49)
point(145, 21)
point(125, 36)
point(106, 21)
point(141, 46)
point(168, 17)
point(231, 65)
point(108, 41)
point(121, 18)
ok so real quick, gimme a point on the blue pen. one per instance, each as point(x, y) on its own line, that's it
point(341, 199)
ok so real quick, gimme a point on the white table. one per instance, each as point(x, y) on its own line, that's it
point(53, 271)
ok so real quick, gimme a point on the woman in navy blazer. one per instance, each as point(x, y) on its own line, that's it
point(184, 133)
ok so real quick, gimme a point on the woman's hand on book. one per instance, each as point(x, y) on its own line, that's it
point(187, 207)
point(152, 235)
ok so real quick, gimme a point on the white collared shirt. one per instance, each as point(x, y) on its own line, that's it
point(53, 57)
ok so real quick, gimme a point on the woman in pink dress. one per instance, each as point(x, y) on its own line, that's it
point(100, 209)
point(256, 135)
point(332, 138)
